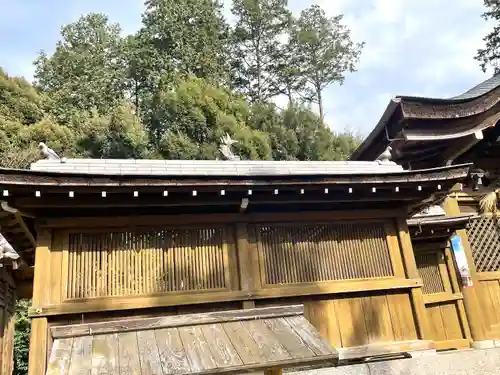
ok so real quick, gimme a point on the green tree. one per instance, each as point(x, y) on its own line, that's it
point(489, 56)
point(184, 36)
point(257, 46)
point(325, 51)
point(187, 120)
point(86, 70)
point(21, 337)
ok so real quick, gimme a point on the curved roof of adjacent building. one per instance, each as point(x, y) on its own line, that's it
point(464, 105)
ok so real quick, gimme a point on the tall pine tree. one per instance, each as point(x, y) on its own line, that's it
point(324, 48)
point(261, 26)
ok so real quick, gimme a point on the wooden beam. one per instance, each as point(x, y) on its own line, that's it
point(177, 298)
point(286, 199)
point(213, 219)
point(175, 321)
point(25, 229)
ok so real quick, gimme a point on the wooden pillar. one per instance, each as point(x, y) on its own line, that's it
point(471, 300)
point(410, 265)
point(247, 263)
point(41, 295)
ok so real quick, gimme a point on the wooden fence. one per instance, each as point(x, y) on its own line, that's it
point(355, 273)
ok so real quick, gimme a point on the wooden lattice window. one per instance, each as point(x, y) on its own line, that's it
point(139, 262)
point(301, 253)
point(484, 238)
point(428, 268)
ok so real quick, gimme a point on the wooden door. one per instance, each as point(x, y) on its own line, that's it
point(443, 300)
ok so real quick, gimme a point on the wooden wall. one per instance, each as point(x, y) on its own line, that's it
point(355, 272)
point(7, 322)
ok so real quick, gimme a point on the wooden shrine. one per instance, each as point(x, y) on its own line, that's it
point(140, 239)
point(429, 132)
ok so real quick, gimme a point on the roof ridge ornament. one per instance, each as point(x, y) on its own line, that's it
point(225, 147)
point(386, 156)
point(50, 154)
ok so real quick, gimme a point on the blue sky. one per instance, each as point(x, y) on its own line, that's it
point(413, 47)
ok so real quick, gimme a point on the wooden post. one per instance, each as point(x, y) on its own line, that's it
point(471, 301)
point(273, 371)
point(41, 297)
point(410, 265)
point(248, 268)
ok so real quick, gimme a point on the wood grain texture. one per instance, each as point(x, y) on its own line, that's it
point(128, 354)
point(198, 347)
point(175, 321)
point(194, 298)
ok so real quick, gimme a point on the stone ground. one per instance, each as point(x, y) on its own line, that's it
point(464, 362)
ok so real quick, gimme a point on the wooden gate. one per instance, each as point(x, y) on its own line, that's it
point(443, 300)
point(484, 239)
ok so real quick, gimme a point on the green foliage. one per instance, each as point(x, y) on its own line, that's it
point(86, 71)
point(21, 337)
point(489, 56)
point(184, 37)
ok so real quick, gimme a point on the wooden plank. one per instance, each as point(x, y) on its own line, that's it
point(38, 346)
point(436, 323)
point(173, 357)
point(197, 350)
point(175, 321)
point(128, 354)
point(310, 336)
point(373, 350)
point(60, 357)
point(323, 316)
point(417, 299)
point(269, 346)
point(452, 344)
point(442, 297)
point(148, 353)
point(81, 359)
point(487, 276)
point(345, 322)
point(56, 282)
point(64, 265)
point(38, 337)
point(382, 318)
point(220, 346)
point(192, 298)
point(290, 340)
point(243, 343)
point(105, 355)
point(451, 323)
point(394, 250)
point(403, 324)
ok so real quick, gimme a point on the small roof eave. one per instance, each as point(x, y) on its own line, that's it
point(441, 220)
